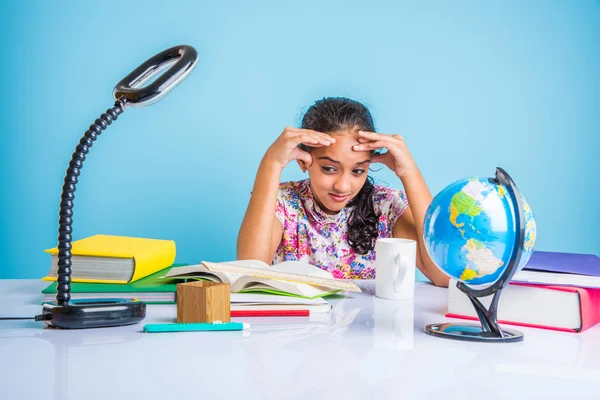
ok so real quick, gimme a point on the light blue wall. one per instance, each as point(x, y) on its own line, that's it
point(471, 85)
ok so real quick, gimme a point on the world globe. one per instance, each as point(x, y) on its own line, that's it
point(470, 231)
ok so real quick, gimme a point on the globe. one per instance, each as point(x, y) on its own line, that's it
point(470, 232)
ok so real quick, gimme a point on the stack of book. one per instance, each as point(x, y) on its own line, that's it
point(559, 291)
point(158, 288)
point(118, 267)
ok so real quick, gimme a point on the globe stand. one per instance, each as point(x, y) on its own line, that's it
point(489, 330)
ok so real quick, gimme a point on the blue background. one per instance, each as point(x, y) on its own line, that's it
point(471, 85)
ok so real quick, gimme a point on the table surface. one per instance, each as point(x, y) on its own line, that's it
point(366, 347)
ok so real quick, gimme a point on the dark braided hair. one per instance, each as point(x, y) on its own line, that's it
point(333, 114)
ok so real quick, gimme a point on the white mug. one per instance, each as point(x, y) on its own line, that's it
point(395, 264)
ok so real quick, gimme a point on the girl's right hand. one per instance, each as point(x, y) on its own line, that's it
point(285, 148)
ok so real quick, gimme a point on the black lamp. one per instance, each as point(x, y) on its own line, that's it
point(96, 313)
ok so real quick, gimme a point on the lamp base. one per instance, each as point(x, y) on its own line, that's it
point(94, 313)
point(472, 333)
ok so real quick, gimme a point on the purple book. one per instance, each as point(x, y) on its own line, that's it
point(568, 263)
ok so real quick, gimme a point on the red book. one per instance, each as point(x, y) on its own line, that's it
point(270, 313)
point(562, 308)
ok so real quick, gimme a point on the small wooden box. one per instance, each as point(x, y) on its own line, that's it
point(203, 301)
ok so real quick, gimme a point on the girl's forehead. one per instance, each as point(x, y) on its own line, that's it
point(342, 150)
point(345, 133)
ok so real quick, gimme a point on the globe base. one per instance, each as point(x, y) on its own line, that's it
point(472, 333)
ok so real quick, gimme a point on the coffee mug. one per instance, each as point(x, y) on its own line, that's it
point(395, 264)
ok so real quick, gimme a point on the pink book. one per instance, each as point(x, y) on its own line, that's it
point(562, 308)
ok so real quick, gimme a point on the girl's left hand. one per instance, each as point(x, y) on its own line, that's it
point(397, 158)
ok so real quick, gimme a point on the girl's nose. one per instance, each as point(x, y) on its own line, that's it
point(342, 185)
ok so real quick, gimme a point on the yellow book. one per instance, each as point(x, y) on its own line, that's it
point(114, 259)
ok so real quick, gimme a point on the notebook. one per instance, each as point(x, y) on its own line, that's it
point(560, 308)
point(240, 283)
point(561, 269)
point(114, 259)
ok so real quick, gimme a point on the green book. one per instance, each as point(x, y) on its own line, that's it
point(151, 289)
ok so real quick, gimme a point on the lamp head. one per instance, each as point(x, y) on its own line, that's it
point(180, 61)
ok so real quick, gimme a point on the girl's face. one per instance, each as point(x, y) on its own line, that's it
point(338, 172)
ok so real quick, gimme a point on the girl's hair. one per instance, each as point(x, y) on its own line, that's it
point(333, 114)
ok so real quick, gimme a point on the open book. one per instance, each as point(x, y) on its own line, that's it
point(243, 283)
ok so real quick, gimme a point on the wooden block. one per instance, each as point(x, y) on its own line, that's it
point(203, 301)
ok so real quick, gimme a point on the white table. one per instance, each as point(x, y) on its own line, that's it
point(367, 348)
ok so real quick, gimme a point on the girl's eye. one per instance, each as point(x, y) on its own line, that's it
point(328, 169)
point(359, 171)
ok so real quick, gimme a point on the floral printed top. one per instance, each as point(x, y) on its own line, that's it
point(310, 235)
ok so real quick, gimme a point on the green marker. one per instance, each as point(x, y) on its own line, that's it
point(195, 327)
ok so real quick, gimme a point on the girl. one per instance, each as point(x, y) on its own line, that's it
point(333, 218)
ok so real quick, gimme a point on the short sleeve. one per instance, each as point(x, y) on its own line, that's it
point(280, 207)
point(390, 203)
point(288, 203)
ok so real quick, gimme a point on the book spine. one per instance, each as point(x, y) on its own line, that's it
point(589, 300)
point(151, 262)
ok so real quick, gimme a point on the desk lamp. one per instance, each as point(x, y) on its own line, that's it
point(96, 313)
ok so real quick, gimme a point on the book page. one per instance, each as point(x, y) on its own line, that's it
point(233, 277)
point(249, 263)
point(254, 284)
point(92, 268)
point(556, 278)
point(289, 271)
point(202, 272)
point(251, 283)
point(199, 271)
point(302, 268)
point(255, 298)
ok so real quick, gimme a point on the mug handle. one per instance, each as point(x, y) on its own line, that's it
point(402, 266)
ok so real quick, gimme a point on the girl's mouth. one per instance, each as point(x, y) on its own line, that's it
point(338, 198)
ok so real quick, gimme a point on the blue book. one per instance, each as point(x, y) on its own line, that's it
point(561, 269)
